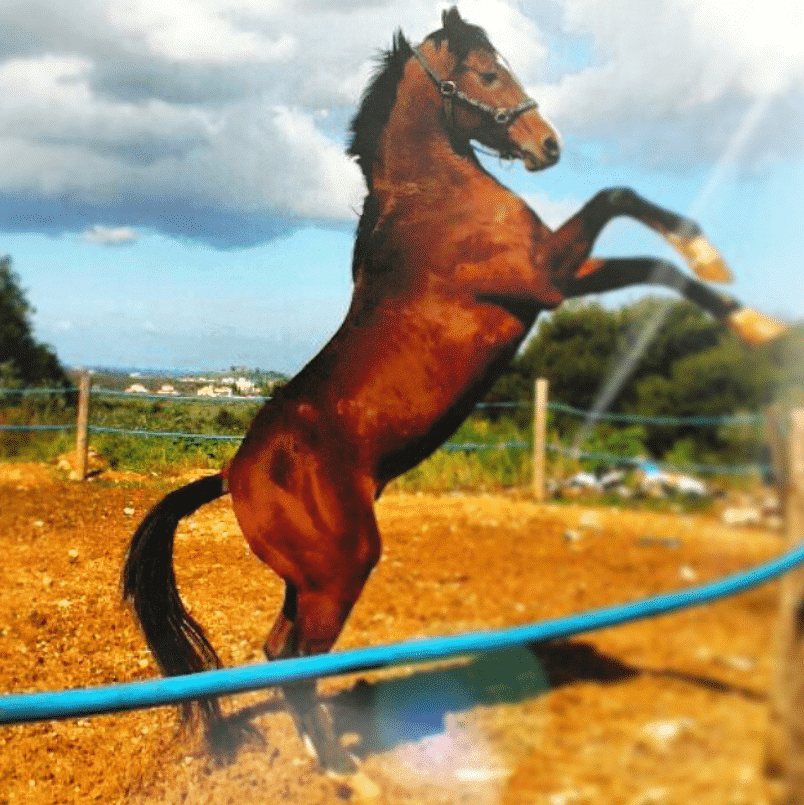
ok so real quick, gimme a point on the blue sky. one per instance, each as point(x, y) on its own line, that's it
point(174, 193)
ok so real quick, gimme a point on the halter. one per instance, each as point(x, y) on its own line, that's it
point(449, 92)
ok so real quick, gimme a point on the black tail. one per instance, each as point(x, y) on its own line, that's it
point(175, 638)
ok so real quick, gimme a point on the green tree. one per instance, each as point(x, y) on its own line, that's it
point(23, 361)
point(573, 348)
point(674, 361)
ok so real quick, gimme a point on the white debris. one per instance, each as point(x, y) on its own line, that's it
point(567, 797)
point(653, 796)
point(590, 519)
point(741, 516)
point(661, 734)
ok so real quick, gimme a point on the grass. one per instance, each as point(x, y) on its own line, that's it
point(490, 468)
point(496, 455)
point(495, 466)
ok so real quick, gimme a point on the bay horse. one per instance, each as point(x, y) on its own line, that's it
point(450, 270)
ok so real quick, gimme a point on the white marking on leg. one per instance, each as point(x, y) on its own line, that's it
point(754, 328)
point(359, 782)
point(310, 746)
point(703, 258)
point(703, 251)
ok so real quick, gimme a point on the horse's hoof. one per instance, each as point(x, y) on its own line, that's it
point(703, 258)
point(754, 328)
point(359, 783)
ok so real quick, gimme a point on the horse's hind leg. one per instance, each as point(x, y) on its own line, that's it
point(280, 643)
point(292, 636)
point(312, 717)
point(309, 622)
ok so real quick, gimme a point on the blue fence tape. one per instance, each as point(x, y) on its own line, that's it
point(19, 708)
point(215, 437)
point(736, 420)
point(456, 447)
point(35, 428)
point(31, 392)
point(672, 421)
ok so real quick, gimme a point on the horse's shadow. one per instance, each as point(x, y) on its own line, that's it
point(387, 713)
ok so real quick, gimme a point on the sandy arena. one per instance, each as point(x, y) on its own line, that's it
point(669, 711)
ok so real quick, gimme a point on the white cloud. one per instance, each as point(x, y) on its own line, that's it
point(200, 30)
point(110, 235)
point(683, 73)
point(224, 119)
point(514, 35)
point(553, 211)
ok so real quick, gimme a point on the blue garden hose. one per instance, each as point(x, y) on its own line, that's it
point(27, 707)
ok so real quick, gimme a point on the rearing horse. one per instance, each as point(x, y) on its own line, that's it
point(451, 270)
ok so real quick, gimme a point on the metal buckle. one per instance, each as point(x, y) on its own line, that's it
point(447, 88)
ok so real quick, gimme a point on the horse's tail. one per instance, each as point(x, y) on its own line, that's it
point(175, 638)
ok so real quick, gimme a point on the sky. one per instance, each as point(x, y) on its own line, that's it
point(174, 189)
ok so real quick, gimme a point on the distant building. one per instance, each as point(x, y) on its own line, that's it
point(245, 387)
point(137, 388)
point(166, 388)
point(214, 391)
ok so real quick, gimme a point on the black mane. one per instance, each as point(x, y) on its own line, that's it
point(367, 126)
point(375, 107)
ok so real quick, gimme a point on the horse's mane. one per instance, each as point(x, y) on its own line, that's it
point(378, 100)
point(375, 106)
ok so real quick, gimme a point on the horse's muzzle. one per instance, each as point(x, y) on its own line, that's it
point(547, 156)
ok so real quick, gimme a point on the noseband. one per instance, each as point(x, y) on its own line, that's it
point(449, 92)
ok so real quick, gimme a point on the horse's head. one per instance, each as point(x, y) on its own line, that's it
point(482, 100)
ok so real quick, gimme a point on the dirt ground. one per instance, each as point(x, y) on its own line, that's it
point(671, 710)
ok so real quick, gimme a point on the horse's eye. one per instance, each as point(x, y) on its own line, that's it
point(489, 77)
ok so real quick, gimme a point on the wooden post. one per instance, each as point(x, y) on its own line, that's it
point(539, 438)
point(785, 745)
point(82, 427)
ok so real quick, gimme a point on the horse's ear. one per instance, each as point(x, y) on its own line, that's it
point(461, 37)
point(450, 19)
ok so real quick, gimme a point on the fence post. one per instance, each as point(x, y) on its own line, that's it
point(82, 427)
point(784, 762)
point(539, 438)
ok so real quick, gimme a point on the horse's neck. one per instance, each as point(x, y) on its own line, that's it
point(417, 159)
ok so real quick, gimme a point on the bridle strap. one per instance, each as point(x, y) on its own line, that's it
point(449, 92)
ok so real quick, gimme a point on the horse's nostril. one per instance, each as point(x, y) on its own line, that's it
point(551, 147)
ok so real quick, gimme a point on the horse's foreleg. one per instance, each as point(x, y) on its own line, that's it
point(684, 234)
point(601, 275)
